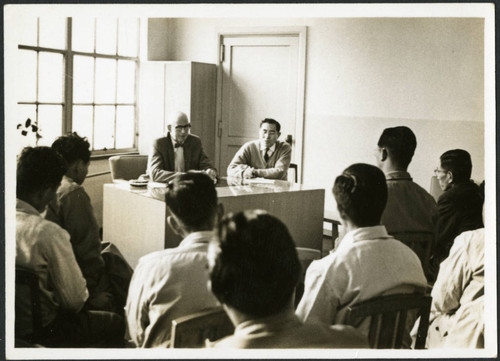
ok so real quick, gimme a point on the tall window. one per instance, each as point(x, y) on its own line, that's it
point(80, 74)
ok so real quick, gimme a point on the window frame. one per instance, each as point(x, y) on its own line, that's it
point(67, 100)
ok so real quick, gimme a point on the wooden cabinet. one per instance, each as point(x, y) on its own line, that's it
point(167, 86)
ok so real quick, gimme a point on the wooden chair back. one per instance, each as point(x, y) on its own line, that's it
point(127, 167)
point(27, 307)
point(388, 318)
point(191, 331)
point(293, 171)
point(306, 256)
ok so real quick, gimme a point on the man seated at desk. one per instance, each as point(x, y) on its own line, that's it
point(266, 157)
point(178, 152)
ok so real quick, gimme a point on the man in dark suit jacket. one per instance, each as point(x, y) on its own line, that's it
point(178, 152)
point(460, 206)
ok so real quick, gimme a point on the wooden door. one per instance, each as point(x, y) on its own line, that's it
point(261, 77)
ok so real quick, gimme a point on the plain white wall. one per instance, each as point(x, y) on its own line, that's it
point(365, 74)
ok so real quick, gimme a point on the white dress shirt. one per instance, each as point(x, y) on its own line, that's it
point(368, 263)
point(179, 156)
point(270, 151)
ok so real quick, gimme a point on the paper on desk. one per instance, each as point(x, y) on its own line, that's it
point(259, 181)
point(156, 185)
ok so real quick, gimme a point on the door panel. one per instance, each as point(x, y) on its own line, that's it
point(259, 80)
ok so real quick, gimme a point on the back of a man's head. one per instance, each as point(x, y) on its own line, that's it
point(72, 147)
point(256, 267)
point(458, 162)
point(38, 169)
point(192, 198)
point(361, 194)
point(400, 143)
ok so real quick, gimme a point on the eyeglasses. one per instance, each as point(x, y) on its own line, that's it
point(183, 127)
point(437, 171)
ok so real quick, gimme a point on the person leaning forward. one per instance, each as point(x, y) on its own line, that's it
point(178, 152)
point(266, 157)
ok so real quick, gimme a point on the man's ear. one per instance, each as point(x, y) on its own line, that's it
point(383, 154)
point(450, 177)
point(175, 225)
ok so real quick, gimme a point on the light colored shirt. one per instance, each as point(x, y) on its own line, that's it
point(166, 285)
point(410, 208)
point(73, 211)
point(179, 156)
point(368, 263)
point(251, 156)
point(269, 150)
point(457, 311)
point(44, 247)
point(286, 331)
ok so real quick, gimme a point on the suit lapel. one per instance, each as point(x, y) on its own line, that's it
point(170, 153)
point(187, 153)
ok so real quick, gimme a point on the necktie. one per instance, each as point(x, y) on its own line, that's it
point(266, 156)
point(177, 145)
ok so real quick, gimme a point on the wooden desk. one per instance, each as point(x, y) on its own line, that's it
point(135, 219)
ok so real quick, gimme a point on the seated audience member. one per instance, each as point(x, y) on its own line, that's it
point(460, 206)
point(368, 262)
point(44, 247)
point(173, 282)
point(411, 212)
point(72, 210)
point(265, 158)
point(254, 269)
point(178, 152)
point(457, 311)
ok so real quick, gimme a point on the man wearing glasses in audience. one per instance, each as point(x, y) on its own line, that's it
point(178, 152)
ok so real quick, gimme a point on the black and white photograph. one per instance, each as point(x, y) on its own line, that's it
point(250, 181)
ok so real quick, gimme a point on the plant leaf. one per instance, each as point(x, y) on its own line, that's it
point(34, 128)
point(28, 122)
point(24, 132)
point(19, 126)
point(38, 136)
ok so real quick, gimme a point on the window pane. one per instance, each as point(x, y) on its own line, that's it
point(83, 34)
point(83, 78)
point(27, 32)
point(105, 77)
point(126, 81)
point(50, 86)
point(128, 36)
point(82, 121)
point(53, 32)
point(49, 123)
point(26, 76)
point(23, 113)
point(104, 127)
point(125, 127)
point(106, 36)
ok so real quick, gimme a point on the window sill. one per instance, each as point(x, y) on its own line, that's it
point(106, 155)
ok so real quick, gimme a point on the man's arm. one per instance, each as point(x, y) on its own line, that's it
point(454, 274)
point(78, 218)
point(446, 227)
point(319, 302)
point(156, 166)
point(280, 169)
point(63, 270)
point(241, 163)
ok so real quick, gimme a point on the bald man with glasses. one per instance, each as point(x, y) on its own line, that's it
point(178, 152)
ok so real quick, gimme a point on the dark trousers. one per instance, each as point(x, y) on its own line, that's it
point(96, 329)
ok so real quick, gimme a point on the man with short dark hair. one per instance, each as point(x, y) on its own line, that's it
point(460, 206)
point(72, 210)
point(178, 152)
point(172, 283)
point(266, 158)
point(44, 247)
point(254, 269)
point(411, 212)
point(368, 262)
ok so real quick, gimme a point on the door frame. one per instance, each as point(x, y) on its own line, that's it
point(297, 31)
